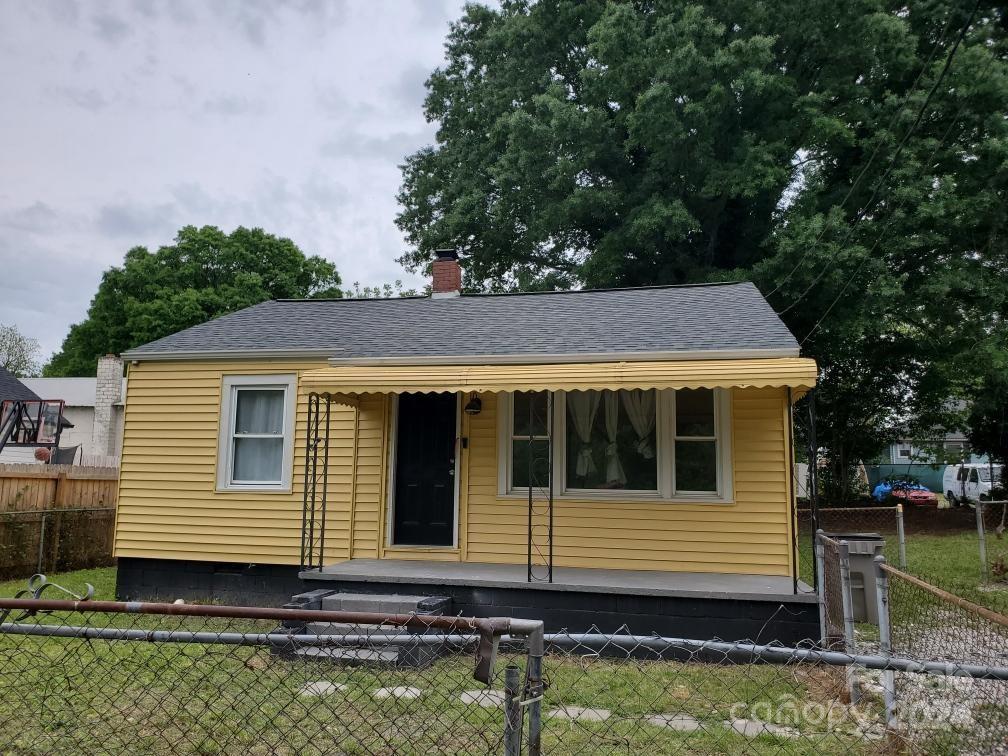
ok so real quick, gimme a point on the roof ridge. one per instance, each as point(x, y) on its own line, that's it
point(487, 294)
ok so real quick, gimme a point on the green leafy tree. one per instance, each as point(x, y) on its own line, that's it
point(628, 143)
point(987, 422)
point(203, 274)
point(19, 354)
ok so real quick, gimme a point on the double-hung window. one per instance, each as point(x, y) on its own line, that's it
point(256, 433)
point(637, 443)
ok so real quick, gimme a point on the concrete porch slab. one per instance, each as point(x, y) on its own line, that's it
point(698, 585)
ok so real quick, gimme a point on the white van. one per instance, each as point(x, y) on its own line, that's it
point(970, 481)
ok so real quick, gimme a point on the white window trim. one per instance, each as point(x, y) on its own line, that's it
point(225, 449)
point(664, 454)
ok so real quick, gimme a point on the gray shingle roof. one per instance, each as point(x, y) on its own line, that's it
point(12, 388)
point(729, 317)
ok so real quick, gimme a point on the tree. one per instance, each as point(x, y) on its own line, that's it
point(629, 143)
point(18, 353)
point(203, 274)
point(384, 291)
point(987, 422)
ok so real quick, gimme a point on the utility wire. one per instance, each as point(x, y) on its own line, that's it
point(871, 158)
point(892, 160)
point(892, 221)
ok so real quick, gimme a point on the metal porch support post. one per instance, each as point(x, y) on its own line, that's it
point(820, 561)
point(901, 536)
point(512, 712)
point(982, 538)
point(325, 481)
point(885, 640)
point(813, 468)
point(848, 619)
point(549, 468)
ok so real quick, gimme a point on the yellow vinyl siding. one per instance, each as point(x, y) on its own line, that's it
point(750, 535)
point(169, 506)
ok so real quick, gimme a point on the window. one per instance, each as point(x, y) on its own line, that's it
point(973, 477)
point(640, 443)
point(530, 439)
point(256, 433)
point(904, 453)
point(610, 441)
point(695, 469)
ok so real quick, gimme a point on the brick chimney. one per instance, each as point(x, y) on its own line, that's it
point(108, 393)
point(447, 274)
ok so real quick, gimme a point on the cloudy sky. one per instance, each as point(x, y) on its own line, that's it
point(122, 121)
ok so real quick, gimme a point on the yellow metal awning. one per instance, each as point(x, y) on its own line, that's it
point(796, 372)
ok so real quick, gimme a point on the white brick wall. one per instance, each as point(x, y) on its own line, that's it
point(108, 391)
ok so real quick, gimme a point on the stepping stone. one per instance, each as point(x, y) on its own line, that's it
point(320, 688)
point(680, 722)
point(752, 728)
point(490, 699)
point(579, 713)
point(398, 692)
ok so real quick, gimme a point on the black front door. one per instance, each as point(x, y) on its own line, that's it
point(424, 507)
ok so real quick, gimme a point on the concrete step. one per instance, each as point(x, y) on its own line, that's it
point(385, 603)
point(380, 652)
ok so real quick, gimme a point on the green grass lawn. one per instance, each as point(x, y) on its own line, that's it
point(90, 696)
point(102, 578)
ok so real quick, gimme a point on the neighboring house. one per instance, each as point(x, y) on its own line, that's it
point(955, 447)
point(385, 446)
point(94, 406)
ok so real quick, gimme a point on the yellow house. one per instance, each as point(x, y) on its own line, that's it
point(583, 456)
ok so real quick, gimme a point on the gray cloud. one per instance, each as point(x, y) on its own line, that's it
point(35, 218)
point(409, 90)
point(291, 116)
point(87, 98)
point(111, 28)
point(391, 147)
point(137, 221)
point(233, 105)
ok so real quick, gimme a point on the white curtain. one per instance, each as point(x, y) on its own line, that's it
point(614, 470)
point(640, 408)
point(582, 406)
point(259, 411)
point(258, 442)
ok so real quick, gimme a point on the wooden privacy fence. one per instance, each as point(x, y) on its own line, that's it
point(29, 487)
point(55, 517)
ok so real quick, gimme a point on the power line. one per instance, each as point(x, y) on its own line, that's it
point(892, 160)
point(892, 220)
point(871, 158)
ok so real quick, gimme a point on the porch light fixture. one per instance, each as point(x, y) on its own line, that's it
point(474, 406)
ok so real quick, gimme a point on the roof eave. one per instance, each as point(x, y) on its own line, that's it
point(584, 357)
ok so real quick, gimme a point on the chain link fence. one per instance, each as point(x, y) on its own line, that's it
point(104, 678)
point(991, 523)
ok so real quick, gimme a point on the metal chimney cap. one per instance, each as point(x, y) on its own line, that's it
point(446, 254)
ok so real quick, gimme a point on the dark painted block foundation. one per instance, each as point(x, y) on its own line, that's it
point(687, 617)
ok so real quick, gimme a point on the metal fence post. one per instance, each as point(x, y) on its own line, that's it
point(41, 545)
point(534, 690)
point(885, 639)
point(901, 536)
point(848, 618)
point(512, 712)
point(820, 561)
point(982, 537)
